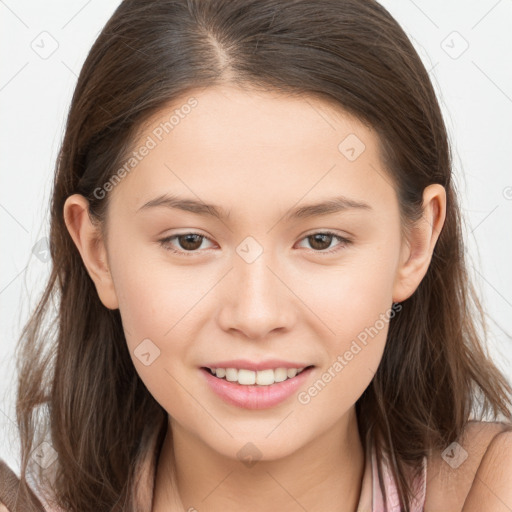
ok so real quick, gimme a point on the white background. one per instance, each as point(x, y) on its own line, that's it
point(474, 89)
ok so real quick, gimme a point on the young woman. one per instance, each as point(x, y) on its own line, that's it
point(262, 297)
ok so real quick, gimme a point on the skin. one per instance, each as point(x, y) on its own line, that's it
point(257, 155)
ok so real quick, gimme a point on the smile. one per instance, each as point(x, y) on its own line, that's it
point(260, 378)
point(244, 391)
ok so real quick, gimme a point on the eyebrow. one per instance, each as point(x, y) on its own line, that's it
point(326, 207)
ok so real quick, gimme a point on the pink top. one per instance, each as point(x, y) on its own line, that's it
point(371, 497)
point(370, 500)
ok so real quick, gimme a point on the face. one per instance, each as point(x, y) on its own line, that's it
point(266, 279)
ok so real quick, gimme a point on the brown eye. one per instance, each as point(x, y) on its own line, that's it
point(321, 241)
point(188, 243)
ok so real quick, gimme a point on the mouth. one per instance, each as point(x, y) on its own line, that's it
point(260, 389)
point(246, 377)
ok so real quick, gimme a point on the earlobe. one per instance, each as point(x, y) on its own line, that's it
point(417, 250)
point(89, 242)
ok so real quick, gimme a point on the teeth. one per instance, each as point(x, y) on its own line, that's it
point(260, 378)
point(291, 372)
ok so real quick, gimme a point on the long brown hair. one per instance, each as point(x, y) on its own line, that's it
point(77, 383)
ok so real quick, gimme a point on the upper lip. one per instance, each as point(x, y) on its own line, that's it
point(256, 366)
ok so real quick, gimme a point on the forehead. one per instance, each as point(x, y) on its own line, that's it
point(232, 145)
point(254, 119)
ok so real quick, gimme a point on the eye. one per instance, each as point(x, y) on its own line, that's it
point(321, 240)
point(191, 242)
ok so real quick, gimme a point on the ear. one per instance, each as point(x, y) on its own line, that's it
point(418, 247)
point(89, 241)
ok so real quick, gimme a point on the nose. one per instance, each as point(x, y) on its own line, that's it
point(256, 299)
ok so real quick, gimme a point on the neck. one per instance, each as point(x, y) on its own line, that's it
point(324, 475)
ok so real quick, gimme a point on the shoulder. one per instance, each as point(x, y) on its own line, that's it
point(472, 470)
point(492, 486)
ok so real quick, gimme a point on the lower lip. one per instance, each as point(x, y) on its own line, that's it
point(255, 397)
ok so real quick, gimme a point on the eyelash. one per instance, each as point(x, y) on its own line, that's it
point(165, 241)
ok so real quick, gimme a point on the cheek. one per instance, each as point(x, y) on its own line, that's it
point(161, 305)
point(153, 294)
point(353, 295)
point(158, 301)
point(153, 303)
point(353, 304)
